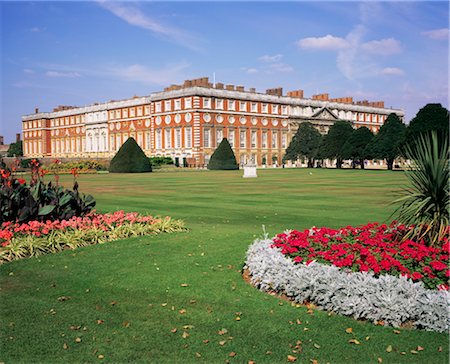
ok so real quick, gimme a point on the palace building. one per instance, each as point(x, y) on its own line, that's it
point(188, 121)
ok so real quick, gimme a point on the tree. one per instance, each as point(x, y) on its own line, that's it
point(305, 143)
point(223, 157)
point(389, 140)
point(355, 148)
point(430, 117)
point(130, 159)
point(338, 134)
point(425, 202)
point(15, 149)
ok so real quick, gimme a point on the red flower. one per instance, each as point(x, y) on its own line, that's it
point(21, 181)
point(416, 276)
point(437, 265)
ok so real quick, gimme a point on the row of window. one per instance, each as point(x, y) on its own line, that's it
point(242, 142)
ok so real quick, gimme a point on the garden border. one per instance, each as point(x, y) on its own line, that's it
point(392, 300)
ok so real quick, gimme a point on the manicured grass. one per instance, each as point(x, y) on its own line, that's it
point(135, 286)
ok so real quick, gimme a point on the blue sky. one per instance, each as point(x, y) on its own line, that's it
point(78, 53)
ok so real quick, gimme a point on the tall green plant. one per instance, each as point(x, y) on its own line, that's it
point(425, 202)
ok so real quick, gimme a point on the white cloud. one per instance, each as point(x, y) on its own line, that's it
point(384, 46)
point(268, 59)
point(36, 29)
point(347, 58)
point(28, 71)
point(392, 71)
point(437, 33)
point(62, 74)
point(328, 42)
point(250, 70)
point(281, 67)
point(136, 17)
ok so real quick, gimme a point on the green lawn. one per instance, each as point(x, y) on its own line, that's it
point(142, 289)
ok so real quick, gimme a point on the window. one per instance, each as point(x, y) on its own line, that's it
point(188, 103)
point(139, 111)
point(117, 114)
point(140, 138)
point(231, 137)
point(274, 109)
point(284, 109)
point(178, 104)
point(231, 105)
point(283, 140)
point(158, 107)
point(167, 105)
point(219, 104)
point(147, 140)
point(243, 106)
point(111, 143)
point(264, 139)
point(254, 107)
point(264, 108)
point(242, 137)
point(219, 136)
point(274, 139)
point(147, 110)
point(206, 102)
point(125, 113)
point(167, 138)
point(187, 138)
point(177, 138)
point(118, 141)
point(206, 138)
point(158, 138)
point(253, 138)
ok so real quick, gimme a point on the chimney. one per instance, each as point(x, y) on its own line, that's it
point(1, 140)
point(36, 110)
point(240, 88)
point(229, 87)
point(323, 97)
point(297, 94)
point(17, 137)
point(252, 90)
point(219, 86)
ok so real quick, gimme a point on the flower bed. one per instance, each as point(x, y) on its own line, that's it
point(370, 248)
point(384, 299)
point(37, 238)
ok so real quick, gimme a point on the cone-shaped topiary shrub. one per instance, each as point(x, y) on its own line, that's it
point(223, 157)
point(130, 159)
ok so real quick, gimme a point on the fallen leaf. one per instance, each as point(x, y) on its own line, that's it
point(440, 348)
point(78, 340)
point(164, 304)
point(75, 327)
point(268, 353)
point(65, 346)
point(113, 303)
point(125, 324)
point(389, 348)
point(185, 335)
point(101, 356)
point(314, 361)
point(184, 285)
point(403, 353)
point(192, 301)
point(222, 332)
point(420, 348)
point(182, 311)
point(299, 322)
point(251, 362)
point(232, 354)
point(198, 355)
point(317, 346)
point(174, 330)
point(291, 358)
point(367, 338)
point(396, 331)
point(305, 329)
point(238, 318)
point(205, 341)
point(222, 343)
point(99, 322)
point(188, 327)
point(414, 352)
point(63, 298)
point(380, 360)
point(349, 330)
point(354, 341)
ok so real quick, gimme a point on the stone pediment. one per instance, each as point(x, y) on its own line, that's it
point(324, 114)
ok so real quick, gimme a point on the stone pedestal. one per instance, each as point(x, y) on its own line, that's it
point(250, 171)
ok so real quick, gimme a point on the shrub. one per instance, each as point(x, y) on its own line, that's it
point(425, 202)
point(223, 157)
point(130, 159)
point(81, 166)
point(38, 200)
point(159, 161)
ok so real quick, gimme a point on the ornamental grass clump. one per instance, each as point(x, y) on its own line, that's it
point(425, 202)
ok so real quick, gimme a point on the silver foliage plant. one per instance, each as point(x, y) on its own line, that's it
point(393, 300)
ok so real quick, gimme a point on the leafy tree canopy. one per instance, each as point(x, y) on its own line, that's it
point(356, 145)
point(15, 149)
point(430, 117)
point(389, 140)
point(305, 143)
point(223, 157)
point(337, 136)
point(130, 158)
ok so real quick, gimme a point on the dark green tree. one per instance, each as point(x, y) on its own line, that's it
point(337, 136)
point(390, 139)
point(223, 157)
point(305, 143)
point(430, 117)
point(355, 148)
point(15, 149)
point(130, 159)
